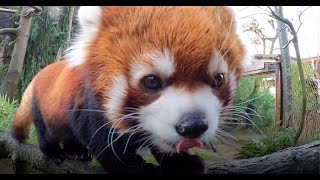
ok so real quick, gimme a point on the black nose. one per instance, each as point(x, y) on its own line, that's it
point(192, 125)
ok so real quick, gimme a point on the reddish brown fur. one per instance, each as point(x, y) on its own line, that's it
point(58, 80)
point(191, 34)
point(23, 117)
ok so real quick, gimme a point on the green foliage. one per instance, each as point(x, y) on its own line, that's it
point(201, 154)
point(151, 159)
point(312, 101)
point(4, 70)
point(316, 137)
point(8, 46)
point(33, 139)
point(262, 102)
point(7, 110)
point(277, 139)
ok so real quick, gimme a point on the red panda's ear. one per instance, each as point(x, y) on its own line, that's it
point(89, 17)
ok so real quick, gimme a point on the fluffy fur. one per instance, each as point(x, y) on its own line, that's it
point(94, 100)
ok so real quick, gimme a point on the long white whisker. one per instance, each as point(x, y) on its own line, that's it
point(146, 141)
point(123, 117)
point(223, 133)
point(251, 99)
point(137, 127)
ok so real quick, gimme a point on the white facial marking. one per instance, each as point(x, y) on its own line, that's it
point(217, 64)
point(137, 71)
point(89, 18)
point(161, 63)
point(160, 117)
point(116, 96)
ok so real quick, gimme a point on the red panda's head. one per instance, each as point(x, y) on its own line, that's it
point(169, 69)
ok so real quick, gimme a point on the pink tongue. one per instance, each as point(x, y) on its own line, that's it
point(188, 143)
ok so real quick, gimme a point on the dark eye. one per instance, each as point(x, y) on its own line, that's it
point(151, 82)
point(217, 80)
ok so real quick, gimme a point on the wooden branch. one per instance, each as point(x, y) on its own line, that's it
point(13, 31)
point(31, 155)
point(285, 46)
point(295, 160)
point(8, 10)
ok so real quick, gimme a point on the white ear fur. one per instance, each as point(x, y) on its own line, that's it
point(89, 16)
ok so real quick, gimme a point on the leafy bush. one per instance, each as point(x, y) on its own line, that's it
point(316, 137)
point(261, 101)
point(7, 111)
point(277, 139)
point(296, 92)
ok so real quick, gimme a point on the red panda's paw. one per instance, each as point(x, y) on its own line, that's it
point(54, 154)
point(81, 157)
point(76, 151)
point(57, 158)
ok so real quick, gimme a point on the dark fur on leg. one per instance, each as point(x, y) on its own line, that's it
point(48, 145)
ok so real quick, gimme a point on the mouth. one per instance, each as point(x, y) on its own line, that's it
point(185, 144)
point(188, 143)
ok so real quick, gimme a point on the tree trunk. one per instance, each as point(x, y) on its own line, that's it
point(295, 160)
point(71, 14)
point(285, 68)
point(9, 86)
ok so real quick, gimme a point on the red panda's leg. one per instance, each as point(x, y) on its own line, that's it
point(48, 145)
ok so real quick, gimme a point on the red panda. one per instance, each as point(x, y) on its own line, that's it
point(135, 77)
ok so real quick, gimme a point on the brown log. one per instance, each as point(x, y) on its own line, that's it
point(294, 160)
point(304, 159)
point(30, 154)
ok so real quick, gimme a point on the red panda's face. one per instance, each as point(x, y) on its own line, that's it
point(171, 70)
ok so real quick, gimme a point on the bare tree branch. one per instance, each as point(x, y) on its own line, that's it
point(8, 10)
point(285, 46)
point(284, 20)
point(13, 31)
point(249, 16)
point(263, 9)
point(299, 17)
point(244, 8)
